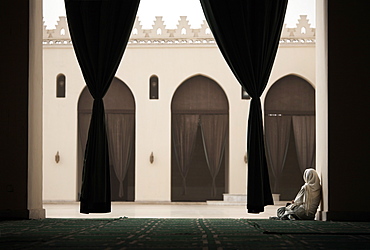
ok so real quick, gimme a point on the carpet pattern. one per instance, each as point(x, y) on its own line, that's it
point(126, 233)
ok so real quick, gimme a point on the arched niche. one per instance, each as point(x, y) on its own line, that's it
point(199, 94)
point(118, 97)
point(290, 95)
point(289, 133)
point(119, 105)
point(199, 132)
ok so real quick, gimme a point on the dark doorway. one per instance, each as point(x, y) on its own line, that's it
point(120, 121)
point(289, 133)
point(200, 119)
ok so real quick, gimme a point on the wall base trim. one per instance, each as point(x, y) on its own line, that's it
point(35, 214)
point(238, 198)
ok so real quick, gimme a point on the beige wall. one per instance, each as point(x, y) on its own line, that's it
point(60, 124)
point(172, 64)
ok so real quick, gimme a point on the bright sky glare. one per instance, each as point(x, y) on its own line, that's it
point(171, 10)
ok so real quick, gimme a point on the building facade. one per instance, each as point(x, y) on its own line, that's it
point(164, 74)
point(342, 132)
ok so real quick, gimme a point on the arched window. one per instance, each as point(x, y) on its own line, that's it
point(303, 30)
point(153, 87)
point(62, 32)
point(61, 85)
point(159, 31)
point(183, 31)
point(134, 31)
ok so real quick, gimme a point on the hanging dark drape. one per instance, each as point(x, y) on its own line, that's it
point(214, 129)
point(304, 134)
point(184, 131)
point(247, 33)
point(99, 31)
point(277, 133)
point(83, 124)
point(120, 128)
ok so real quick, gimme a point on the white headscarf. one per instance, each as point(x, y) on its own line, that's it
point(309, 196)
point(312, 189)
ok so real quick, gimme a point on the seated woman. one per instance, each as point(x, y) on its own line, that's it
point(305, 204)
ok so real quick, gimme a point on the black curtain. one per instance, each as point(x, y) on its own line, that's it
point(100, 31)
point(247, 33)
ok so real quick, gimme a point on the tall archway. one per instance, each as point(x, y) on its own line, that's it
point(120, 120)
point(289, 133)
point(200, 120)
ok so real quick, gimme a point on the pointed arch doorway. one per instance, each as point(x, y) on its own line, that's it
point(120, 121)
point(289, 133)
point(199, 132)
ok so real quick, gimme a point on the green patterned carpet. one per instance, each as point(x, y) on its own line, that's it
point(125, 233)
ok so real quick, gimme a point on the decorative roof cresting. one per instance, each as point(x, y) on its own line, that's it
point(184, 34)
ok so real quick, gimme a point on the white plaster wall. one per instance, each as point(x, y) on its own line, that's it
point(153, 117)
point(172, 64)
point(60, 124)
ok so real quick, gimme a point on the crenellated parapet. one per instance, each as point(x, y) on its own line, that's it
point(301, 35)
point(59, 35)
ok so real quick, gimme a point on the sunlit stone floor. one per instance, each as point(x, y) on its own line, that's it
point(161, 210)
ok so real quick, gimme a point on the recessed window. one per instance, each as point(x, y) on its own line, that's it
point(62, 32)
point(303, 30)
point(61, 86)
point(153, 87)
point(183, 31)
point(245, 95)
point(159, 31)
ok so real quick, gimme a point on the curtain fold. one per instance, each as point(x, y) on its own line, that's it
point(305, 141)
point(184, 131)
point(83, 125)
point(277, 134)
point(214, 129)
point(99, 31)
point(247, 33)
point(120, 128)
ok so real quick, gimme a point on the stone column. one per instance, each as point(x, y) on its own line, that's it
point(35, 128)
point(20, 107)
point(322, 99)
